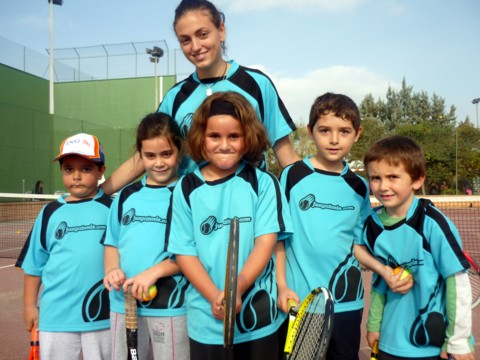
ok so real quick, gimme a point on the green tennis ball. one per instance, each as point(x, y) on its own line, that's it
point(405, 273)
point(152, 292)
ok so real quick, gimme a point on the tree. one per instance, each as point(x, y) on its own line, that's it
point(452, 150)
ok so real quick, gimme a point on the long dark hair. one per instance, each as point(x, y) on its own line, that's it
point(159, 124)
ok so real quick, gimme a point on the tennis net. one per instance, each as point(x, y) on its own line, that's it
point(19, 211)
point(17, 215)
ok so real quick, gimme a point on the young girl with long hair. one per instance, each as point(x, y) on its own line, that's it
point(135, 251)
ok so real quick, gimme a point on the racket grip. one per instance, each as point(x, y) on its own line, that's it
point(291, 304)
point(34, 344)
point(289, 341)
point(374, 353)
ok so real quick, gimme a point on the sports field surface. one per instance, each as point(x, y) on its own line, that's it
point(16, 340)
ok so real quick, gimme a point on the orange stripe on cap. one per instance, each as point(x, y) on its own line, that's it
point(82, 144)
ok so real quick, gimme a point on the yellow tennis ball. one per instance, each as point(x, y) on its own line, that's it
point(405, 273)
point(152, 292)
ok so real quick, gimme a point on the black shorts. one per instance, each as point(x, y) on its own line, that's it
point(261, 349)
point(346, 335)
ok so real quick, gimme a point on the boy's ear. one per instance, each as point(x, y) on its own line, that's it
point(102, 172)
point(417, 184)
point(359, 132)
point(309, 132)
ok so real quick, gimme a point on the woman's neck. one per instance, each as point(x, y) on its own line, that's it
point(219, 70)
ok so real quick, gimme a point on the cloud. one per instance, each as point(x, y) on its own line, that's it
point(249, 5)
point(299, 93)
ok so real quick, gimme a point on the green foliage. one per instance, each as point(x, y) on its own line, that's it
point(452, 151)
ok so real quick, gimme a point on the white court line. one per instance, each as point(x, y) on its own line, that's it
point(6, 266)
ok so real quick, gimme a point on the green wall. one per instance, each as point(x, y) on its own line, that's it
point(30, 136)
point(26, 131)
point(118, 103)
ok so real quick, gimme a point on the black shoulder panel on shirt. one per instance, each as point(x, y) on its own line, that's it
point(373, 231)
point(278, 196)
point(297, 172)
point(356, 183)
point(417, 220)
point(187, 88)
point(125, 194)
point(248, 174)
point(105, 200)
point(47, 213)
point(247, 83)
point(189, 183)
point(436, 216)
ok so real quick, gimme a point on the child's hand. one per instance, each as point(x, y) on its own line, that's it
point(140, 284)
point(30, 316)
point(395, 283)
point(285, 294)
point(372, 337)
point(114, 279)
point(217, 306)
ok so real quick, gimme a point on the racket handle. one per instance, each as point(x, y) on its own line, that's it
point(289, 341)
point(291, 304)
point(374, 353)
point(34, 344)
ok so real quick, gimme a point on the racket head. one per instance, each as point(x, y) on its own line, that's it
point(474, 277)
point(34, 344)
point(231, 277)
point(131, 324)
point(312, 328)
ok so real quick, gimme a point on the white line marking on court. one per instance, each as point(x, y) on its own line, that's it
point(6, 266)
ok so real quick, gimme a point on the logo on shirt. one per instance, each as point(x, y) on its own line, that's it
point(211, 224)
point(393, 263)
point(308, 202)
point(130, 217)
point(64, 229)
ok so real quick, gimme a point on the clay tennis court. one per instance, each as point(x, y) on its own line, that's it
point(13, 231)
point(15, 339)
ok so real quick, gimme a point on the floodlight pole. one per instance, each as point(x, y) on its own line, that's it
point(155, 60)
point(476, 101)
point(155, 54)
point(51, 95)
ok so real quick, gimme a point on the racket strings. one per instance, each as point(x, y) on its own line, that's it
point(309, 336)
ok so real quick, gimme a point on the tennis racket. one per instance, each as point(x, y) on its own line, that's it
point(310, 326)
point(131, 324)
point(474, 276)
point(34, 345)
point(231, 276)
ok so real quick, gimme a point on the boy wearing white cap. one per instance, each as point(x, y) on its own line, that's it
point(64, 253)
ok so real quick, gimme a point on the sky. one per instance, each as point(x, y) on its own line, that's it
point(307, 47)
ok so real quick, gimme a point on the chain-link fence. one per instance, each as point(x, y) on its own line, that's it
point(100, 62)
